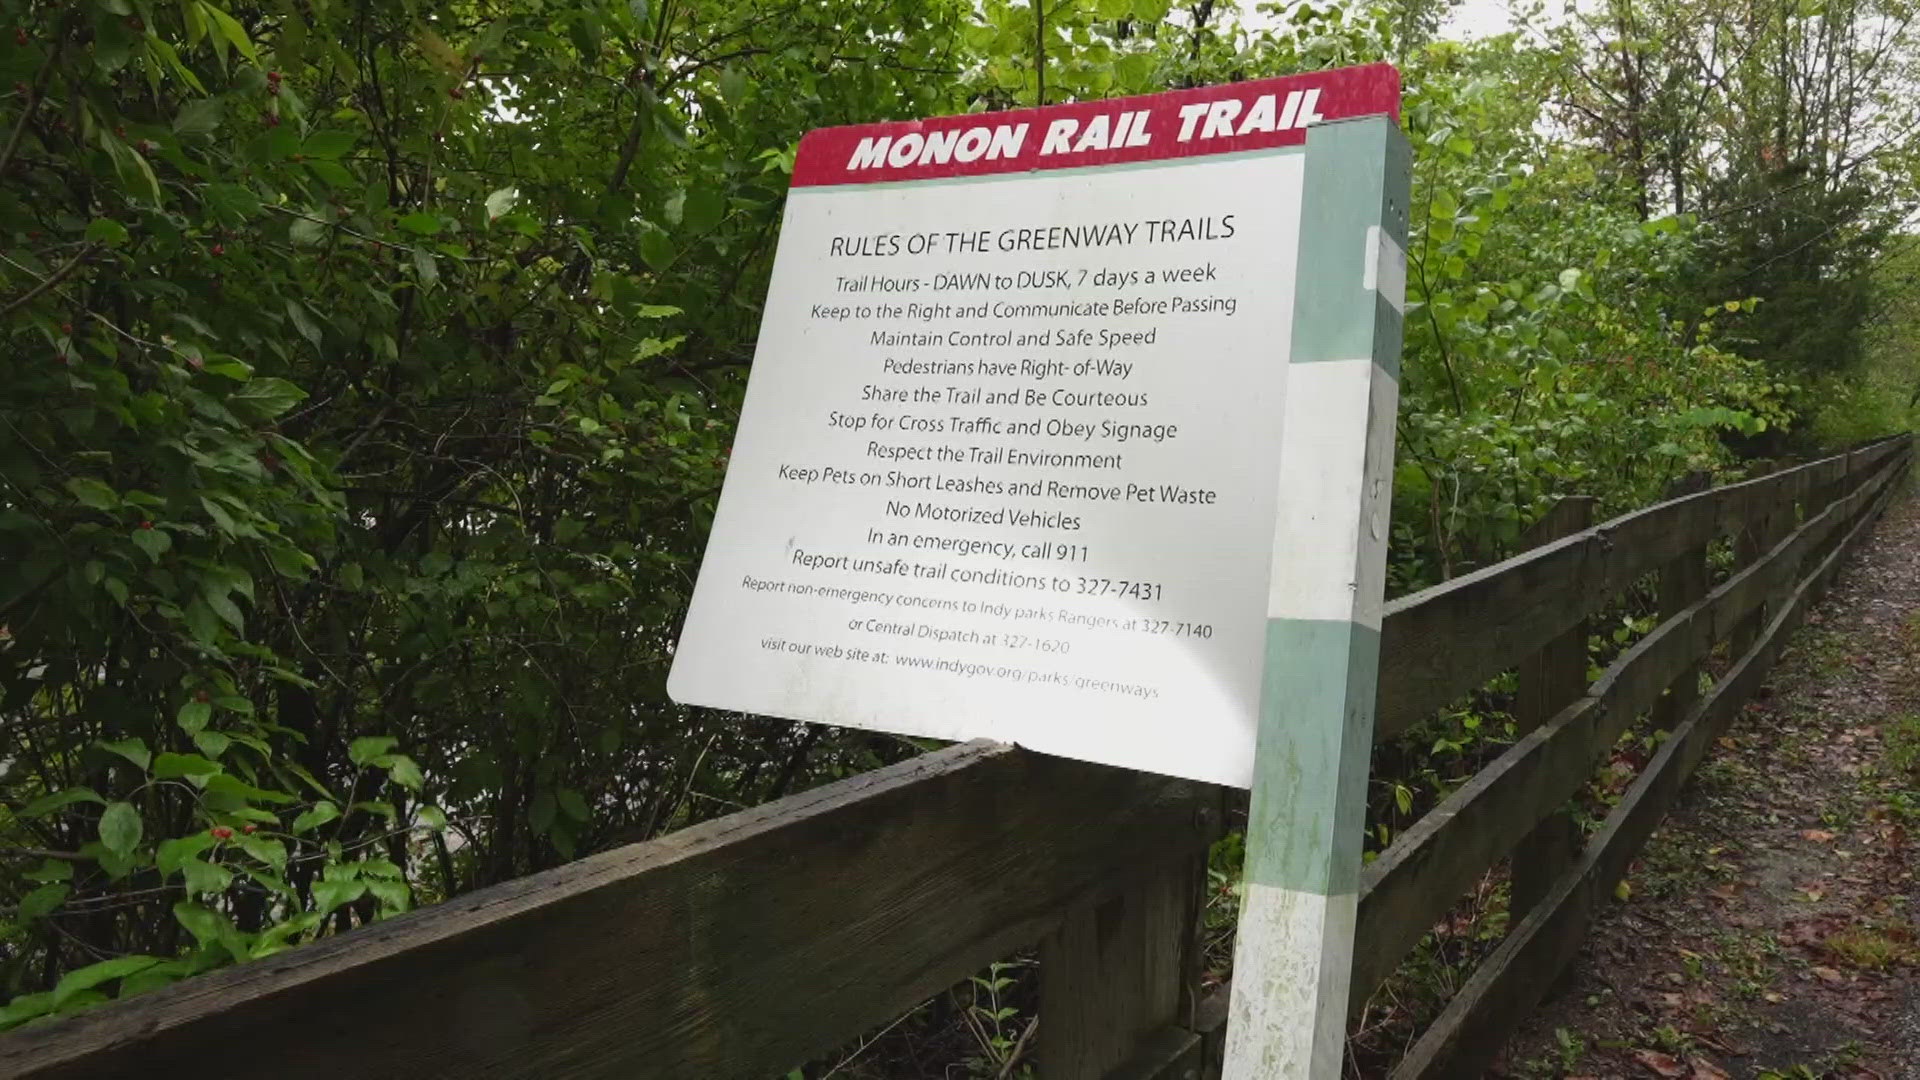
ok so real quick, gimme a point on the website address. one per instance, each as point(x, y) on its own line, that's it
point(970, 670)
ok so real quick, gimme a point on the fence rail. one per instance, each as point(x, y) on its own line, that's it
point(742, 946)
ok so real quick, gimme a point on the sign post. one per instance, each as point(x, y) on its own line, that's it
point(1294, 952)
point(1031, 392)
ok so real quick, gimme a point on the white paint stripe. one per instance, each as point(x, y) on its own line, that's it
point(1292, 961)
point(1335, 492)
point(1386, 268)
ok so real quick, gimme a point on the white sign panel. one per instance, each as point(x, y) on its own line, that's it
point(1008, 461)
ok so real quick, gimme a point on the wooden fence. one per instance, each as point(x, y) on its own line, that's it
point(743, 946)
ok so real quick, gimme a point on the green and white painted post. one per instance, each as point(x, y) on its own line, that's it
point(1294, 954)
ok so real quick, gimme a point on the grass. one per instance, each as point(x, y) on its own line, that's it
point(1872, 947)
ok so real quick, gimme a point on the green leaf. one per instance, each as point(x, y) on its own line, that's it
point(171, 855)
point(393, 895)
point(364, 749)
point(154, 542)
point(92, 493)
point(47, 804)
point(316, 817)
point(404, 772)
point(206, 877)
point(328, 144)
point(501, 201)
point(331, 894)
point(426, 267)
point(197, 117)
point(93, 975)
point(332, 172)
point(572, 804)
point(303, 322)
point(430, 817)
point(107, 231)
point(264, 848)
point(135, 175)
point(134, 750)
point(421, 223)
point(51, 869)
point(267, 398)
point(306, 230)
point(656, 250)
point(704, 209)
point(43, 900)
point(229, 28)
point(223, 606)
point(193, 767)
point(233, 788)
point(193, 716)
point(26, 1007)
point(209, 927)
point(120, 828)
point(211, 743)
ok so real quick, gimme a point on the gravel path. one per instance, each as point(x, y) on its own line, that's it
point(1769, 930)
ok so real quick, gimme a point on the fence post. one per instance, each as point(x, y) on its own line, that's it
point(1121, 968)
point(1682, 581)
point(1549, 681)
point(1756, 537)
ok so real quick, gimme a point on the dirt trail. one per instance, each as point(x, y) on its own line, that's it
point(1769, 928)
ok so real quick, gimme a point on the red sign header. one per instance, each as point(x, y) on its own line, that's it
point(1182, 123)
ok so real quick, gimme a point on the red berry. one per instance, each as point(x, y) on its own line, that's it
point(456, 93)
point(219, 249)
point(273, 76)
point(201, 695)
point(120, 131)
point(146, 524)
point(221, 832)
point(19, 36)
point(66, 328)
point(271, 120)
point(249, 829)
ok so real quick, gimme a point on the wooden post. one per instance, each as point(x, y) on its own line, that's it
point(1549, 682)
point(1682, 581)
point(1293, 958)
point(1121, 969)
point(1754, 540)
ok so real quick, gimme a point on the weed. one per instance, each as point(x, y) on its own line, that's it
point(1902, 756)
point(1871, 947)
point(1571, 1049)
point(997, 1032)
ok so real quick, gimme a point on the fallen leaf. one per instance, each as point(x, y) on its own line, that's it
point(1664, 1064)
point(1707, 1070)
point(1818, 836)
point(1827, 974)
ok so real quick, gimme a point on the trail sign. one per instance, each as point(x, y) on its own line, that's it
point(1073, 427)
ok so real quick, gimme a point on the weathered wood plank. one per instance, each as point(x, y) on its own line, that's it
point(736, 948)
point(1441, 642)
point(1120, 969)
point(1473, 1027)
point(1427, 867)
point(1682, 582)
point(1550, 681)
